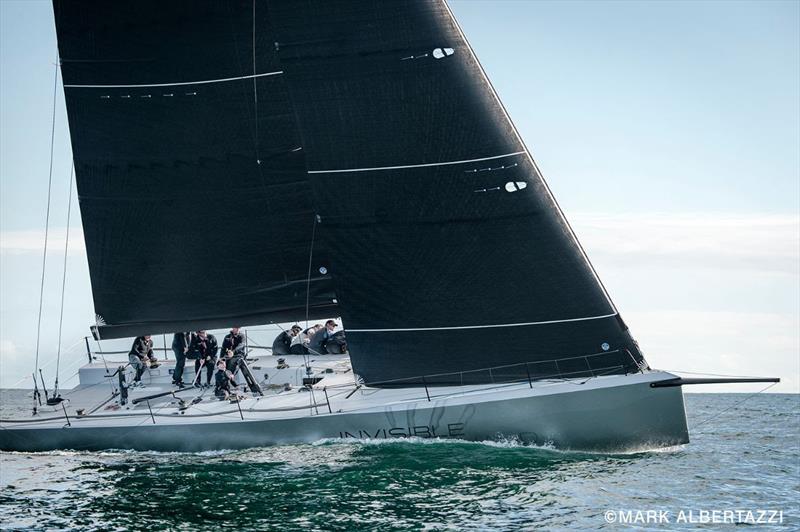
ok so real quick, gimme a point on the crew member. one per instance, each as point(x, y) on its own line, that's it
point(141, 356)
point(283, 342)
point(233, 341)
point(203, 349)
point(224, 381)
point(299, 342)
point(180, 346)
point(321, 338)
point(308, 335)
point(233, 350)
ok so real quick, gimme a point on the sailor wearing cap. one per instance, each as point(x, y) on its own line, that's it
point(283, 342)
point(319, 342)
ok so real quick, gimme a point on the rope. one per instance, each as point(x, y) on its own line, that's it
point(64, 280)
point(734, 405)
point(46, 226)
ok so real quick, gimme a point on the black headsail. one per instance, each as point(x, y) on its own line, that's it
point(448, 252)
point(191, 176)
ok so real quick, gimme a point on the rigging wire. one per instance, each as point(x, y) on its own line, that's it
point(46, 232)
point(734, 405)
point(310, 259)
point(64, 279)
point(255, 83)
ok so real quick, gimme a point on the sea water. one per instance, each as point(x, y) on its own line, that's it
point(744, 457)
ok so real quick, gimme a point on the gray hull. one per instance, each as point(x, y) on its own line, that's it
point(608, 414)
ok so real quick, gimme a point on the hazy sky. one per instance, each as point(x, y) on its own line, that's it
point(669, 132)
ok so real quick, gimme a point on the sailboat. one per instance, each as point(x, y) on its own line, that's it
point(242, 163)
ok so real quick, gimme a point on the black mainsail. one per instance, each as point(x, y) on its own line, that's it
point(191, 176)
point(379, 138)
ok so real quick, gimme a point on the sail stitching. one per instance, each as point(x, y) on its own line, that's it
point(484, 326)
point(424, 165)
point(206, 81)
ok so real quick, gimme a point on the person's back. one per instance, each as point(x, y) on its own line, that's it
point(319, 341)
point(282, 344)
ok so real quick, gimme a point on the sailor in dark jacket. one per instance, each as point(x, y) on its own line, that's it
point(283, 342)
point(223, 381)
point(320, 340)
point(141, 356)
point(180, 346)
point(203, 350)
point(233, 341)
point(233, 349)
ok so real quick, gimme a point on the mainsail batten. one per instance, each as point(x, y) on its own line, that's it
point(173, 84)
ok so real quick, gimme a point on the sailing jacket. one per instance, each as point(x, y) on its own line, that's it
point(319, 341)
point(142, 348)
point(234, 342)
point(282, 344)
point(200, 348)
point(222, 382)
point(181, 341)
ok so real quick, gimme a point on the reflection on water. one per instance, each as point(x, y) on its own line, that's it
point(745, 458)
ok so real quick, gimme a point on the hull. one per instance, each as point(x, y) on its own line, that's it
point(619, 413)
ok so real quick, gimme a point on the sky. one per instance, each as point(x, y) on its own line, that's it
point(668, 131)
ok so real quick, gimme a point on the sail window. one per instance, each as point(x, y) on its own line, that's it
point(513, 186)
point(439, 53)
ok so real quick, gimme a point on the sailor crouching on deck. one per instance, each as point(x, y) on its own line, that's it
point(141, 356)
point(203, 350)
point(328, 341)
point(224, 381)
point(283, 342)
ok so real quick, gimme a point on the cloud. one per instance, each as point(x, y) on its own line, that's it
point(758, 243)
point(8, 349)
point(31, 241)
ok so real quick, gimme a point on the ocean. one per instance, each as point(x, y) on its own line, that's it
point(742, 465)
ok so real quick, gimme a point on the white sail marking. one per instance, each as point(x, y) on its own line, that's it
point(414, 165)
point(221, 80)
point(483, 326)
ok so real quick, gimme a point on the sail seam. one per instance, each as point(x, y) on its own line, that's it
point(484, 326)
point(220, 80)
point(424, 165)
